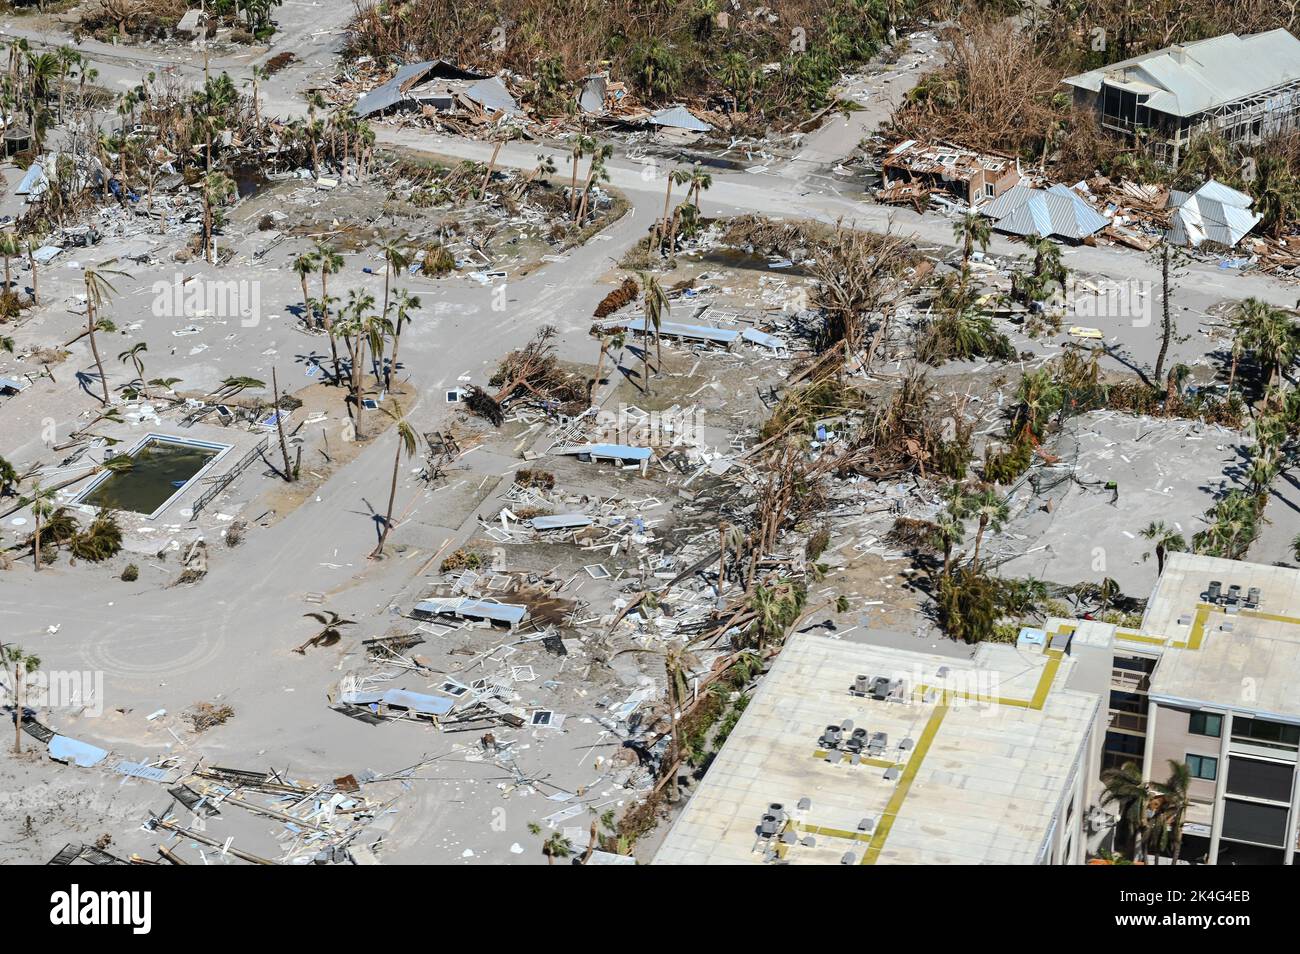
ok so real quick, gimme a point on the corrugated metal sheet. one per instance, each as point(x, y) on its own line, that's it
point(1056, 211)
point(493, 96)
point(1213, 213)
point(673, 329)
point(412, 74)
point(478, 609)
point(679, 117)
point(592, 98)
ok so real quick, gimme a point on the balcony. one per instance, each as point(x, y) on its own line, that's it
point(1128, 721)
point(1129, 680)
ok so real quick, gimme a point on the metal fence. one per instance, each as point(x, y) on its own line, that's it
point(221, 483)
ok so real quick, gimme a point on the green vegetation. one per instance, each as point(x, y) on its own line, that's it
point(665, 52)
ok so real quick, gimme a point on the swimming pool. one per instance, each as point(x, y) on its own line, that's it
point(163, 468)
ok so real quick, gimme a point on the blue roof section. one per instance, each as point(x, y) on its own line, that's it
point(675, 329)
point(140, 770)
point(479, 609)
point(611, 451)
point(560, 521)
point(763, 339)
point(84, 754)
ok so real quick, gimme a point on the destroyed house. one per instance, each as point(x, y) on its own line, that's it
point(963, 174)
point(435, 83)
point(1243, 88)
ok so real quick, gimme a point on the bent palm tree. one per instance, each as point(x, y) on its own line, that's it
point(330, 632)
point(98, 292)
point(406, 443)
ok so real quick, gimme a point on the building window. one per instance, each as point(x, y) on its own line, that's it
point(1275, 735)
point(1205, 723)
point(1256, 778)
point(1203, 766)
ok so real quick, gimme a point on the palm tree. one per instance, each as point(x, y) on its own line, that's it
point(24, 663)
point(10, 248)
point(1277, 194)
point(98, 291)
point(950, 532)
point(31, 262)
point(38, 498)
point(236, 383)
point(1268, 331)
point(304, 265)
point(406, 443)
point(217, 191)
point(775, 607)
point(607, 343)
point(676, 177)
point(654, 303)
point(991, 511)
point(1174, 802)
point(582, 145)
point(677, 662)
point(596, 172)
point(395, 262)
point(556, 846)
point(329, 261)
point(1131, 795)
point(8, 478)
point(403, 304)
point(1165, 539)
point(970, 230)
point(699, 181)
point(330, 632)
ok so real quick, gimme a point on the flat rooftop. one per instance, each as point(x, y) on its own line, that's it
point(979, 780)
point(1244, 659)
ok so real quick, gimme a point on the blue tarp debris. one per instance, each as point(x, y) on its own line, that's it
point(560, 521)
point(606, 451)
point(64, 749)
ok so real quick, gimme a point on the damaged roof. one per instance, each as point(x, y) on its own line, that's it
point(679, 117)
point(944, 158)
point(390, 94)
point(493, 96)
point(1056, 211)
point(1213, 213)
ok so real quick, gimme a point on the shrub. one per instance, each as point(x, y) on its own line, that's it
point(131, 573)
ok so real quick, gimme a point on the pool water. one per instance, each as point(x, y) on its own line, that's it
point(160, 469)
